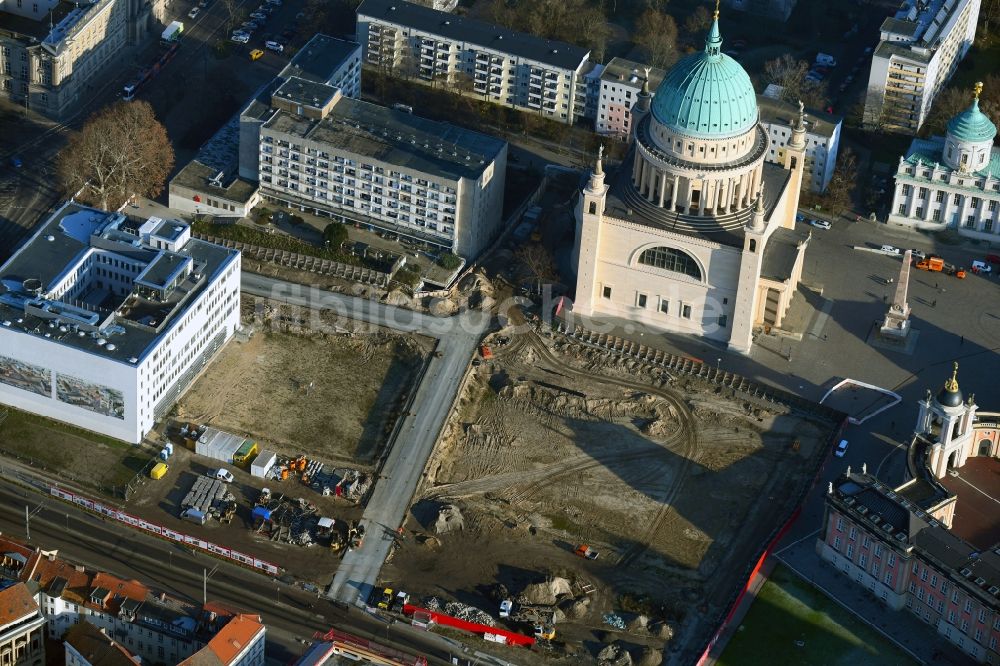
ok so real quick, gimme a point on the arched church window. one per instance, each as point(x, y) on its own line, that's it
point(593, 208)
point(672, 260)
point(753, 245)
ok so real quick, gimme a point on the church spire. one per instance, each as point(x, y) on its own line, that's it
point(596, 183)
point(713, 43)
point(951, 385)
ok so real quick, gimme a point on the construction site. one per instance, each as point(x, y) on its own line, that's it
point(605, 505)
point(279, 385)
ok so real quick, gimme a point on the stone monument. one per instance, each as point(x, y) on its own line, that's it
point(896, 325)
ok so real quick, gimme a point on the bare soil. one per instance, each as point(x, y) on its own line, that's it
point(676, 483)
point(330, 395)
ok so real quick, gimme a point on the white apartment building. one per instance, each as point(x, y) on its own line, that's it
point(105, 320)
point(952, 181)
point(475, 58)
point(54, 51)
point(619, 86)
point(822, 139)
point(239, 643)
point(222, 178)
point(380, 168)
point(22, 628)
point(919, 49)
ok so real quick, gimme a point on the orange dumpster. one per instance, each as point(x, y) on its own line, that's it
point(284, 474)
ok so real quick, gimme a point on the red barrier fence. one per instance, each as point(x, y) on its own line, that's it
point(494, 634)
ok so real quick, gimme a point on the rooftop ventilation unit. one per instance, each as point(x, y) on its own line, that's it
point(966, 572)
point(993, 590)
point(900, 537)
point(110, 347)
point(133, 360)
point(862, 510)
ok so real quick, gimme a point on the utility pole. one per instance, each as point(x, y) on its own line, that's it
point(27, 523)
point(204, 586)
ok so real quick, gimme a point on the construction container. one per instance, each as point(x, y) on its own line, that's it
point(263, 463)
point(164, 454)
point(170, 448)
point(260, 513)
point(218, 445)
point(158, 471)
point(245, 453)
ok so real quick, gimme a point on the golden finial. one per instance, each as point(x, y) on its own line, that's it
point(952, 384)
point(716, 14)
point(978, 88)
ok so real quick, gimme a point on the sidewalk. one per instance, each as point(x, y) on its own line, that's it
point(905, 630)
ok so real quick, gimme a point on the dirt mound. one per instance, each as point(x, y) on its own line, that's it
point(578, 609)
point(547, 593)
point(449, 520)
point(638, 625)
point(397, 297)
point(663, 631)
point(443, 307)
point(614, 655)
point(649, 657)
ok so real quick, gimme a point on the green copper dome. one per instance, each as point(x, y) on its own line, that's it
point(972, 125)
point(707, 95)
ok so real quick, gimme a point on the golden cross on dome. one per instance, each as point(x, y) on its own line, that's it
point(716, 14)
point(978, 88)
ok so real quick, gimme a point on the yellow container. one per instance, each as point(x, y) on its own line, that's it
point(158, 471)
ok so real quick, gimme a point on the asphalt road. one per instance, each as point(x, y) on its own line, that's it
point(291, 615)
point(457, 338)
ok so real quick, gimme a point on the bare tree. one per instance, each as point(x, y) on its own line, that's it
point(840, 192)
point(657, 36)
point(790, 74)
point(121, 151)
point(697, 22)
point(948, 104)
point(233, 13)
point(535, 264)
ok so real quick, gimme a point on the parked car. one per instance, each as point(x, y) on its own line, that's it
point(193, 14)
point(891, 249)
point(203, 3)
point(273, 46)
point(799, 217)
point(917, 254)
point(260, 17)
point(276, 3)
point(222, 474)
point(841, 449)
point(820, 224)
point(195, 516)
point(265, 9)
point(981, 267)
point(256, 54)
point(240, 37)
point(250, 25)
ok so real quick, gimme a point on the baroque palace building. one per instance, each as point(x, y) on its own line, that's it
point(696, 232)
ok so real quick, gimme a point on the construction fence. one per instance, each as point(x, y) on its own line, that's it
point(164, 532)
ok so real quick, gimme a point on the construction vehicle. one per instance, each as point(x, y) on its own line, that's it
point(486, 352)
point(227, 513)
point(583, 550)
point(545, 632)
point(935, 263)
point(355, 535)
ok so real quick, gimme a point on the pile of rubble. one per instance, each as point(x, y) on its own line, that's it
point(351, 484)
point(469, 613)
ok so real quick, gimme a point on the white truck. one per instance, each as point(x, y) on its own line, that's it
point(172, 32)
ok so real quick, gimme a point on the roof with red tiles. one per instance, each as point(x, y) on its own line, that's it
point(16, 603)
point(228, 643)
point(97, 647)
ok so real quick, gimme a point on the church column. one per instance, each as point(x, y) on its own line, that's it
point(747, 191)
point(663, 187)
point(757, 173)
point(636, 167)
point(673, 192)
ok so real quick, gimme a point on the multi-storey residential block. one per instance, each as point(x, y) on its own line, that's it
point(920, 48)
point(822, 139)
point(106, 319)
point(360, 163)
point(22, 628)
point(952, 181)
point(239, 643)
point(619, 86)
point(88, 645)
point(53, 51)
point(929, 545)
point(475, 58)
point(148, 624)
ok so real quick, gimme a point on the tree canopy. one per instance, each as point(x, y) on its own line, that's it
point(121, 151)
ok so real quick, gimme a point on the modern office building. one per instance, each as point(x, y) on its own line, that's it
point(105, 319)
point(930, 545)
point(222, 178)
point(695, 233)
point(364, 164)
point(475, 58)
point(918, 51)
point(22, 628)
point(619, 86)
point(822, 139)
point(952, 181)
point(55, 51)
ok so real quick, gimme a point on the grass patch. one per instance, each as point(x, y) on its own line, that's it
point(788, 610)
point(80, 456)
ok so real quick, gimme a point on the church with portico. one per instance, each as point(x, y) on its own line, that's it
point(695, 233)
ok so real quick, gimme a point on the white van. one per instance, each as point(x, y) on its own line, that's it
point(981, 267)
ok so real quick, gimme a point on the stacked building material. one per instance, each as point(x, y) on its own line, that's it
point(210, 496)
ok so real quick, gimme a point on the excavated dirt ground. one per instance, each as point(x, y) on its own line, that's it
point(675, 482)
point(305, 384)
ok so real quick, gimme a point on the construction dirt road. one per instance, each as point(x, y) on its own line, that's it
point(676, 483)
point(303, 385)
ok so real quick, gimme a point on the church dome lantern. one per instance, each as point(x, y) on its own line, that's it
point(707, 95)
point(950, 395)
